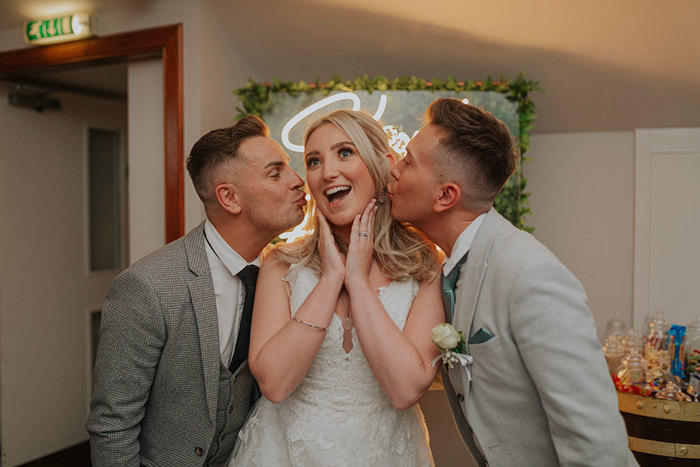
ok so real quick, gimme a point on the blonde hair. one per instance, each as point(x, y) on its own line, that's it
point(400, 249)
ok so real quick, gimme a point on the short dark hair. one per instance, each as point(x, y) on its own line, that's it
point(476, 147)
point(217, 147)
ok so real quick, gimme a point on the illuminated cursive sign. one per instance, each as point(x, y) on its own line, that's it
point(397, 138)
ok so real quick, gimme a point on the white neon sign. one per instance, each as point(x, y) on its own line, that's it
point(382, 107)
point(311, 109)
point(397, 139)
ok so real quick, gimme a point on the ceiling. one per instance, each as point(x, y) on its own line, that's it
point(106, 81)
point(604, 65)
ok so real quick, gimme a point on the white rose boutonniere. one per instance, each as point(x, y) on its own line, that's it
point(453, 347)
point(446, 336)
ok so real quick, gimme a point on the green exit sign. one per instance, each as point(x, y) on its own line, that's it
point(65, 28)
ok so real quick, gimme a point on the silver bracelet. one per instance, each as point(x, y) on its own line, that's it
point(308, 324)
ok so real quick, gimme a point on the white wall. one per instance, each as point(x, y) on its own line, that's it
point(146, 152)
point(11, 39)
point(46, 293)
point(213, 68)
point(149, 15)
point(223, 69)
point(582, 187)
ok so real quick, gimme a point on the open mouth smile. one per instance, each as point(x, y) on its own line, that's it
point(337, 194)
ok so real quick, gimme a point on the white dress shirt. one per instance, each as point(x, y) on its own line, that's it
point(462, 245)
point(229, 292)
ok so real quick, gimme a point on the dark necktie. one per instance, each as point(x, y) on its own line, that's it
point(448, 288)
point(249, 275)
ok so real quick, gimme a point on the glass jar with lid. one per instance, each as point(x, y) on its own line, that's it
point(655, 350)
point(657, 329)
point(613, 351)
point(670, 392)
point(632, 377)
point(633, 341)
point(615, 327)
point(692, 346)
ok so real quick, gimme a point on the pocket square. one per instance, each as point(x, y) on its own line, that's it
point(481, 336)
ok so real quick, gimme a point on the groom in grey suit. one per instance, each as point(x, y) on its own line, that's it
point(538, 391)
point(171, 383)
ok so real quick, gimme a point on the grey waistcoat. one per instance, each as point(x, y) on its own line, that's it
point(236, 396)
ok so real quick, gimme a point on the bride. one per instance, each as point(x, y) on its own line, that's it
point(340, 339)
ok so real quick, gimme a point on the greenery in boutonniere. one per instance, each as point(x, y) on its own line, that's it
point(453, 347)
point(513, 202)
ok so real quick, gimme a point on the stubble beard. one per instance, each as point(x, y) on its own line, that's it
point(275, 224)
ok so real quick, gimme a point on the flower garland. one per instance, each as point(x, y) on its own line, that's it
point(513, 202)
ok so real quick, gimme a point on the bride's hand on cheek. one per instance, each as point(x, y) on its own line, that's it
point(361, 248)
point(331, 258)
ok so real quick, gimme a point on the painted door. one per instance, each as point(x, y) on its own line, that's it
point(51, 278)
point(667, 224)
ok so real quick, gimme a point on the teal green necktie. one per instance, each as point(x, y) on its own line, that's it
point(448, 288)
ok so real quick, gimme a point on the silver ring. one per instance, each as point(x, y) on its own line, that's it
point(363, 234)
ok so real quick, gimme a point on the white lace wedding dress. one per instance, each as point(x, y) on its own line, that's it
point(338, 415)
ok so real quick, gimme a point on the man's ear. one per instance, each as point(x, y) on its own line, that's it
point(392, 162)
point(448, 196)
point(228, 198)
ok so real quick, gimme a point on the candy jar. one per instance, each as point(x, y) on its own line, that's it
point(615, 327)
point(632, 377)
point(655, 351)
point(633, 341)
point(656, 335)
point(613, 351)
point(692, 346)
point(670, 393)
point(649, 318)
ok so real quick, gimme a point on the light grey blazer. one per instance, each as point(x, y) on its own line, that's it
point(157, 370)
point(540, 394)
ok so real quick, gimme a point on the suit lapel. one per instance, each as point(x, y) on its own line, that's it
point(471, 278)
point(201, 290)
point(469, 284)
point(473, 272)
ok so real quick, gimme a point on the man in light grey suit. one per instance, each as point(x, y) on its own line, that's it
point(171, 383)
point(538, 390)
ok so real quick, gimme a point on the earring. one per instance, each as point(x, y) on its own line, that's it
point(382, 196)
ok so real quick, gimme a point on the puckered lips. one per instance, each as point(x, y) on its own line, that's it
point(336, 194)
point(301, 201)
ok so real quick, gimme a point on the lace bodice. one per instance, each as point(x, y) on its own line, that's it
point(335, 377)
point(339, 414)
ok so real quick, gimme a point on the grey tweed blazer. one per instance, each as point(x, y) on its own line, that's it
point(156, 375)
point(540, 393)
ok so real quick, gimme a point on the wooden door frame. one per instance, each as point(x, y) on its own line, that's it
point(162, 42)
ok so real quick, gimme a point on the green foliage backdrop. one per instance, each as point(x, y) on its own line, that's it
point(513, 202)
